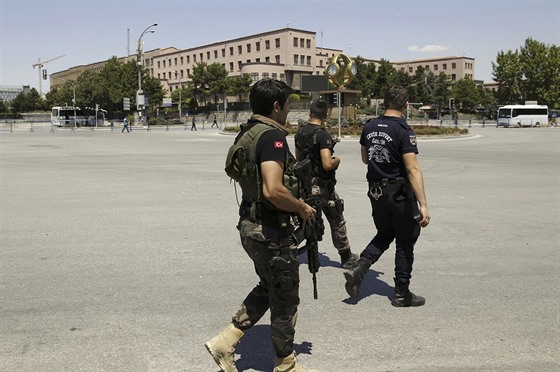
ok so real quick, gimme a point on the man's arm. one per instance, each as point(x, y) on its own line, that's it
point(417, 180)
point(329, 162)
point(364, 155)
point(275, 192)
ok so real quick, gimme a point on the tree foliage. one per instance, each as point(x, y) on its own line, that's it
point(531, 73)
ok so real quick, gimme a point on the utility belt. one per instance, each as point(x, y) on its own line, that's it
point(327, 183)
point(385, 186)
point(259, 213)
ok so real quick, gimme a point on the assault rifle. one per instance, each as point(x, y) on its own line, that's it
point(313, 232)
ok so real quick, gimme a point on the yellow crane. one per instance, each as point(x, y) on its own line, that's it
point(40, 65)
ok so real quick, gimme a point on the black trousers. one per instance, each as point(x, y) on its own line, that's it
point(393, 217)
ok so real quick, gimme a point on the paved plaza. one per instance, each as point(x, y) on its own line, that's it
point(119, 252)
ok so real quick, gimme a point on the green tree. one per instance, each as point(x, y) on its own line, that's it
point(28, 102)
point(466, 95)
point(239, 86)
point(216, 76)
point(382, 80)
point(364, 79)
point(199, 82)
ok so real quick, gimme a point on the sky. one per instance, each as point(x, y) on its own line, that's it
point(84, 31)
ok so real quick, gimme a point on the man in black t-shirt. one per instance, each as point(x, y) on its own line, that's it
point(314, 142)
point(266, 233)
point(397, 196)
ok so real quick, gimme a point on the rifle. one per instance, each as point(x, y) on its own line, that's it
point(313, 232)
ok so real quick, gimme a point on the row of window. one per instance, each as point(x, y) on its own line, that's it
point(200, 56)
point(302, 43)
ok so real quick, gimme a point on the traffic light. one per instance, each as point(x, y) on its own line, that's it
point(335, 99)
point(44, 74)
point(452, 103)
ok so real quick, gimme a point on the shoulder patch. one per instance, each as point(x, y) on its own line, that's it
point(412, 140)
point(278, 144)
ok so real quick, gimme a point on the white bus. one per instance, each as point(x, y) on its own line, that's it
point(68, 116)
point(522, 116)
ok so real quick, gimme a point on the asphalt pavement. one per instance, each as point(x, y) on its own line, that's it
point(119, 252)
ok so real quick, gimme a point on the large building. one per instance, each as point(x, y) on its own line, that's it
point(284, 54)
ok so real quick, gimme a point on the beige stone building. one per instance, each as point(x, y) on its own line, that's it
point(284, 54)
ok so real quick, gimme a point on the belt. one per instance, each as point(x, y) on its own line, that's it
point(377, 189)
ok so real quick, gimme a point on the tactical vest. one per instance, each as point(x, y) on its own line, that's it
point(242, 166)
point(306, 143)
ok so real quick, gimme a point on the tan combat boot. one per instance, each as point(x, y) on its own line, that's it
point(222, 347)
point(290, 364)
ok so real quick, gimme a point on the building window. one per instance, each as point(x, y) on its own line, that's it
point(188, 72)
point(308, 61)
point(194, 58)
point(257, 60)
point(321, 63)
point(427, 68)
point(277, 58)
point(445, 66)
point(302, 60)
point(267, 59)
point(301, 42)
point(182, 60)
point(453, 77)
point(215, 54)
point(258, 46)
point(163, 63)
point(239, 64)
point(223, 52)
point(275, 76)
point(188, 59)
point(410, 69)
point(255, 76)
point(296, 59)
point(239, 49)
point(308, 43)
point(208, 55)
point(265, 75)
point(267, 44)
point(248, 61)
point(436, 67)
point(175, 61)
point(295, 42)
point(230, 51)
point(453, 65)
point(277, 41)
point(248, 48)
point(201, 56)
point(231, 66)
point(158, 65)
point(282, 77)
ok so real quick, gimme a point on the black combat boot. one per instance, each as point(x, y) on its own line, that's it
point(354, 277)
point(405, 298)
point(348, 259)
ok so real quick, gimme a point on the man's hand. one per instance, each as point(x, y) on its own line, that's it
point(307, 213)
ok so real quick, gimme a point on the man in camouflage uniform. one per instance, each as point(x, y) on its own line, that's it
point(316, 143)
point(265, 229)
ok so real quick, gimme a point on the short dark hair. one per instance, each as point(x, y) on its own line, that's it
point(267, 91)
point(318, 109)
point(395, 98)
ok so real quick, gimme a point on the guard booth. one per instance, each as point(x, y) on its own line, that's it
point(348, 104)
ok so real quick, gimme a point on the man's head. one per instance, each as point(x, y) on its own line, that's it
point(318, 109)
point(396, 98)
point(270, 98)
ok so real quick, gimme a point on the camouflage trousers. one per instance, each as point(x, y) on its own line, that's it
point(261, 245)
point(333, 207)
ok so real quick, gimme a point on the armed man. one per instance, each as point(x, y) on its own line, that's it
point(314, 142)
point(261, 162)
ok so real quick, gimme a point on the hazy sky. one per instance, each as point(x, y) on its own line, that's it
point(93, 31)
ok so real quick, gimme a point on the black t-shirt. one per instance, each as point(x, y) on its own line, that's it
point(323, 140)
point(272, 145)
point(386, 139)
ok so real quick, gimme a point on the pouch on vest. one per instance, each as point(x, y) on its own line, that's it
point(236, 162)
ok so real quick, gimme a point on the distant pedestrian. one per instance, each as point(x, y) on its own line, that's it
point(215, 122)
point(193, 126)
point(125, 125)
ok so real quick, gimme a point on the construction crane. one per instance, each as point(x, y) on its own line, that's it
point(40, 66)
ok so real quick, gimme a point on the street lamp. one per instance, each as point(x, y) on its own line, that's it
point(140, 94)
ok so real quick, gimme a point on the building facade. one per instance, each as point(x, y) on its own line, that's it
point(284, 54)
point(9, 92)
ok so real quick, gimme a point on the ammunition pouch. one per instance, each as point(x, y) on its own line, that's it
point(336, 207)
point(285, 268)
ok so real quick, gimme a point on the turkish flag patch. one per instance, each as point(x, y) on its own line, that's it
point(278, 144)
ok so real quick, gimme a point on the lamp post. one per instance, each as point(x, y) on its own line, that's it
point(140, 94)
